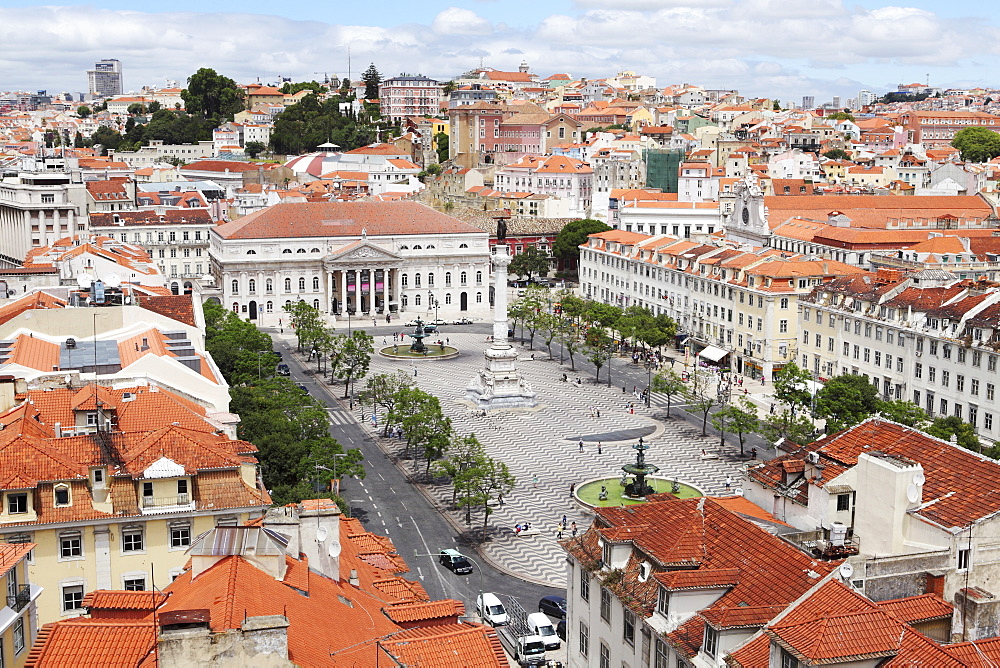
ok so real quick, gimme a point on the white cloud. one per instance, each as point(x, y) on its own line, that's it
point(455, 21)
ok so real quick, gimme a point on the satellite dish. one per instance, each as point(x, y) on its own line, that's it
point(919, 478)
point(321, 534)
point(846, 570)
point(113, 280)
point(912, 493)
point(334, 549)
point(84, 280)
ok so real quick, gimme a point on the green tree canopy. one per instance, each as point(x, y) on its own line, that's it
point(212, 95)
point(304, 126)
point(791, 387)
point(670, 385)
point(290, 88)
point(837, 154)
point(965, 433)
point(529, 262)
point(841, 116)
point(441, 141)
point(83, 111)
point(254, 148)
point(372, 79)
point(575, 233)
point(977, 144)
point(904, 412)
point(846, 400)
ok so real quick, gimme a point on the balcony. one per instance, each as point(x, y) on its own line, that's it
point(20, 599)
point(152, 505)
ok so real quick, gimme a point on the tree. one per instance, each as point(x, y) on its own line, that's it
point(482, 483)
point(212, 95)
point(605, 314)
point(550, 326)
point(529, 308)
point(703, 395)
point(449, 86)
point(372, 79)
point(836, 154)
point(904, 412)
point(136, 108)
point(785, 425)
point(597, 345)
point(307, 322)
point(965, 434)
point(573, 234)
point(352, 357)
point(463, 453)
point(441, 142)
point(154, 106)
point(254, 148)
point(791, 387)
point(289, 88)
point(83, 111)
point(530, 261)
point(776, 106)
point(846, 400)
point(977, 144)
point(381, 391)
point(669, 384)
point(570, 341)
point(842, 116)
point(304, 126)
point(741, 417)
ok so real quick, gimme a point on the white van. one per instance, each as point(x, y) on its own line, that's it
point(491, 610)
point(539, 624)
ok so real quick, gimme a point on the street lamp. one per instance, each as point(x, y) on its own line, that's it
point(259, 353)
point(649, 381)
point(336, 480)
point(432, 301)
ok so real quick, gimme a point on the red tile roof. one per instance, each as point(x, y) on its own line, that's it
point(916, 609)
point(86, 643)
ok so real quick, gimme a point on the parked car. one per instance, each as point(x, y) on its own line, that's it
point(455, 561)
point(561, 629)
point(430, 327)
point(553, 606)
point(439, 321)
point(304, 389)
point(490, 609)
point(283, 370)
point(462, 321)
point(539, 625)
point(411, 323)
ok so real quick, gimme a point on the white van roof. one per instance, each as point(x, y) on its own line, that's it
point(489, 598)
point(537, 619)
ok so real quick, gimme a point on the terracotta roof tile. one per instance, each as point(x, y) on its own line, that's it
point(424, 610)
point(82, 643)
point(914, 609)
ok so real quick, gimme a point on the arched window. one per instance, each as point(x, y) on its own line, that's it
point(430, 246)
point(287, 250)
point(417, 247)
point(447, 279)
point(416, 280)
point(236, 307)
point(404, 280)
point(479, 297)
point(404, 247)
point(479, 278)
point(406, 301)
point(288, 302)
point(447, 298)
point(251, 252)
point(430, 279)
point(269, 286)
point(252, 284)
point(236, 287)
point(301, 250)
point(315, 283)
point(416, 300)
point(269, 307)
point(302, 285)
point(288, 285)
point(463, 245)
point(316, 304)
point(175, 289)
point(314, 250)
point(463, 278)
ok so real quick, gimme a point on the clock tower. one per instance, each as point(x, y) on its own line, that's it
point(748, 222)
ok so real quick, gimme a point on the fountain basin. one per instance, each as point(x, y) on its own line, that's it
point(433, 352)
point(588, 493)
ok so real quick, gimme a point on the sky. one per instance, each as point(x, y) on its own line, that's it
point(780, 49)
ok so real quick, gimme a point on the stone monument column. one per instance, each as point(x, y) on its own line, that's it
point(500, 385)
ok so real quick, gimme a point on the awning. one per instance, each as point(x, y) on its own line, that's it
point(713, 354)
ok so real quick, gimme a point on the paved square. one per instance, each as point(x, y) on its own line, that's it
point(544, 443)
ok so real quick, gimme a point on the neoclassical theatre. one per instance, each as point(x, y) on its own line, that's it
point(351, 258)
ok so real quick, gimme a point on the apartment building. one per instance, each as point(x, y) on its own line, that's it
point(409, 95)
point(742, 304)
point(929, 337)
point(936, 129)
point(566, 178)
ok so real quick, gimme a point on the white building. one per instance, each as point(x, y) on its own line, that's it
point(351, 257)
point(557, 175)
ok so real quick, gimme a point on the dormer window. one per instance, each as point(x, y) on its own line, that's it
point(17, 503)
point(711, 641)
point(606, 555)
point(97, 476)
point(61, 495)
point(663, 602)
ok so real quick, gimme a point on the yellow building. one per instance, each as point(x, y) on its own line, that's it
point(19, 616)
point(112, 485)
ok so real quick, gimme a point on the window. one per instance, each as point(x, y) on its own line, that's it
point(447, 279)
point(302, 284)
point(606, 605)
point(988, 421)
point(17, 503)
point(252, 286)
point(19, 636)
point(288, 285)
point(584, 638)
point(416, 300)
point(959, 382)
point(783, 326)
point(269, 286)
point(945, 377)
point(315, 283)
point(134, 584)
point(72, 597)
point(62, 495)
point(71, 545)
point(711, 642)
point(963, 559)
point(628, 627)
point(605, 656)
point(479, 278)
point(662, 655)
point(132, 540)
point(989, 391)
point(843, 502)
point(931, 374)
point(479, 297)
point(784, 302)
point(180, 535)
point(584, 585)
point(236, 287)
point(787, 660)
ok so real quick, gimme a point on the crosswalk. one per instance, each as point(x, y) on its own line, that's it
point(339, 416)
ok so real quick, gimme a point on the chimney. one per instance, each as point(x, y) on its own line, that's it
point(353, 580)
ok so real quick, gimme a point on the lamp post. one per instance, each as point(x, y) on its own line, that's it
point(259, 353)
point(649, 381)
point(336, 480)
point(432, 301)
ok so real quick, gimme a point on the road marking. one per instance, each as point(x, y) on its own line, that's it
point(420, 573)
point(393, 491)
point(380, 476)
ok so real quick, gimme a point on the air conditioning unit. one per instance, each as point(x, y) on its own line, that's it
point(812, 457)
point(919, 354)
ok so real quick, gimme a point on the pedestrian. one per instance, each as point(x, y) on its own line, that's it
point(500, 499)
point(559, 532)
point(374, 323)
point(762, 380)
point(581, 445)
point(572, 488)
point(387, 319)
point(729, 483)
point(447, 341)
point(534, 481)
point(414, 372)
point(623, 389)
point(598, 447)
point(564, 520)
point(598, 413)
point(753, 453)
point(573, 527)
point(383, 340)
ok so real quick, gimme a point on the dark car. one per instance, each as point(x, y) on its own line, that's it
point(553, 606)
point(561, 629)
point(283, 370)
point(455, 562)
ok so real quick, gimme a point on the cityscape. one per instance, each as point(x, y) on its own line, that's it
point(522, 363)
